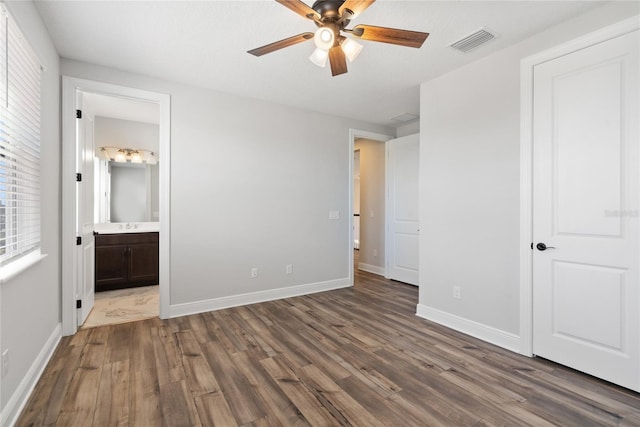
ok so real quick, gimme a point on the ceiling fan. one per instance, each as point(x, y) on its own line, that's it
point(332, 17)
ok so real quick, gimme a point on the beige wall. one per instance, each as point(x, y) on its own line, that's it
point(372, 213)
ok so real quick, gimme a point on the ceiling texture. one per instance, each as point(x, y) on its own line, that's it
point(205, 43)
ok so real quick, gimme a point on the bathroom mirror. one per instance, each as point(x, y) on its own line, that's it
point(127, 192)
point(125, 135)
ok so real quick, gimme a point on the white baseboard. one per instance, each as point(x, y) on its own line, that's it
point(19, 399)
point(371, 268)
point(186, 309)
point(478, 330)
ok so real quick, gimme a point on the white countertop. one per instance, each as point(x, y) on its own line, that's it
point(127, 227)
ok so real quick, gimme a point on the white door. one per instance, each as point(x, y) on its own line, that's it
point(85, 252)
point(586, 298)
point(402, 209)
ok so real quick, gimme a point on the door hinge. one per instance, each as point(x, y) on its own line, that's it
point(78, 177)
point(78, 240)
point(78, 303)
point(78, 114)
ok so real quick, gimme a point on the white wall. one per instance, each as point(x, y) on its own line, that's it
point(30, 303)
point(154, 190)
point(408, 129)
point(372, 169)
point(120, 133)
point(469, 185)
point(252, 184)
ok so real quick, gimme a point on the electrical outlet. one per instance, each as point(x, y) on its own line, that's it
point(289, 269)
point(334, 214)
point(375, 252)
point(5, 362)
point(254, 272)
point(457, 292)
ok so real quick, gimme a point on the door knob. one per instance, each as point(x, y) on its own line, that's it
point(542, 247)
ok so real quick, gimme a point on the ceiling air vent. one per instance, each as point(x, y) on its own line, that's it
point(472, 41)
point(405, 117)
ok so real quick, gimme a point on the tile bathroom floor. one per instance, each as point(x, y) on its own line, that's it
point(123, 305)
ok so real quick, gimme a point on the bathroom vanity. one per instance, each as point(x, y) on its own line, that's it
point(126, 258)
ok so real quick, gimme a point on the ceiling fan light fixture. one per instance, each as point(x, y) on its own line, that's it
point(324, 38)
point(319, 57)
point(332, 18)
point(351, 48)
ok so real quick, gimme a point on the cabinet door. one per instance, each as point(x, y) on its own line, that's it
point(111, 265)
point(143, 263)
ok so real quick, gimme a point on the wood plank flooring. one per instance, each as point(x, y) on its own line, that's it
point(351, 357)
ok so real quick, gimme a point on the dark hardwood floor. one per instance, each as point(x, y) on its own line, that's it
point(355, 356)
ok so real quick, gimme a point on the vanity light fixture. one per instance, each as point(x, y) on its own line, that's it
point(122, 155)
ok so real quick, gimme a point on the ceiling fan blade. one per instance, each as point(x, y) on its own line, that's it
point(390, 35)
point(300, 8)
point(280, 44)
point(355, 6)
point(338, 61)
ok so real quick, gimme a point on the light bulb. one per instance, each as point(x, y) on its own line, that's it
point(319, 57)
point(324, 38)
point(120, 157)
point(135, 157)
point(351, 48)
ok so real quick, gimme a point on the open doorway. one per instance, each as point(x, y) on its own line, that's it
point(371, 205)
point(88, 210)
point(356, 201)
point(126, 148)
point(367, 183)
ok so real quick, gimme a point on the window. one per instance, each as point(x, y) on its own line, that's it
point(19, 143)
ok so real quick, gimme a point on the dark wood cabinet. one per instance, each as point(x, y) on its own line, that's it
point(126, 260)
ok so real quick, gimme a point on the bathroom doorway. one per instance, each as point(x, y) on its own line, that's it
point(78, 274)
point(125, 204)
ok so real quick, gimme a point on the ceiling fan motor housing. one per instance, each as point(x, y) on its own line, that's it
point(329, 11)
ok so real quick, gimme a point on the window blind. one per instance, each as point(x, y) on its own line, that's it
point(19, 142)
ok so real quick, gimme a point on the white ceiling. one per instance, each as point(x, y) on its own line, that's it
point(204, 43)
point(121, 108)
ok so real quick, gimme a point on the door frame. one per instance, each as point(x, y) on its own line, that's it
point(69, 266)
point(353, 134)
point(527, 66)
